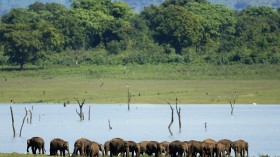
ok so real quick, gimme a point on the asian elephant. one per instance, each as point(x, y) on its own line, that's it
point(94, 148)
point(240, 147)
point(107, 147)
point(220, 149)
point(81, 146)
point(60, 145)
point(134, 148)
point(143, 147)
point(176, 149)
point(153, 147)
point(227, 144)
point(165, 145)
point(187, 146)
point(36, 143)
point(209, 147)
point(118, 145)
point(197, 147)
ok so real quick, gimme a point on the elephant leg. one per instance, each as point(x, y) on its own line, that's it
point(33, 150)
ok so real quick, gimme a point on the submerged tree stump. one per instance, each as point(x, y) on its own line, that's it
point(80, 114)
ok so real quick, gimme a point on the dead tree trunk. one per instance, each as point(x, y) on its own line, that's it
point(30, 113)
point(179, 115)
point(110, 127)
point(232, 104)
point(23, 122)
point(128, 99)
point(81, 114)
point(89, 112)
point(169, 126)
point(13, 122)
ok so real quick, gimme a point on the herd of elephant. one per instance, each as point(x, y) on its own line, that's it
point(118, 146)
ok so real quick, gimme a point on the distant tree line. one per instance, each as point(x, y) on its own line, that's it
point(110, 32)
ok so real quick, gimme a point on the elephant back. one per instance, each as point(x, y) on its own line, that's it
point(118, 145)
point(143, 146)
point(176, 147)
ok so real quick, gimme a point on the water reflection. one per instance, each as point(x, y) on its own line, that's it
point(257, 124)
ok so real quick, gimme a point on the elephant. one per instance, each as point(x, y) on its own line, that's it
point(36, 143)
point(94, 148)
point(118, 145)
point(107, 147)
point(153, 147)
point(165, 145)
point(240, 147)
point(187, 146)
point(134, 148)
point(59, 144)
point(209, 147)
point(81, 146)
point(196, 147)
point(227, 144)
point(176, 148)
point(220, 149)
point(143, 147)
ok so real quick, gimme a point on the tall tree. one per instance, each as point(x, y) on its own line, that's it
point(176, 26)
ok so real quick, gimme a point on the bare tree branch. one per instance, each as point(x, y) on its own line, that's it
point(169, 126)
point(179, 115)
point(110, 127)
point(23, 122)
point(81, 114)
point(89, 112)
point(13, 122)
point(30, 117)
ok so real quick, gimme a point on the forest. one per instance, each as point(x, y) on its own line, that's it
point(103, 32)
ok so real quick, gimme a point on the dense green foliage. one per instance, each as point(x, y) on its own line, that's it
point(110, 32)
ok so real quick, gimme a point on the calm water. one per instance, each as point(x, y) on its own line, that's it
point(257, 124)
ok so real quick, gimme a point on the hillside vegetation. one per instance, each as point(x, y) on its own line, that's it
point(138, 6)
point(102, 32)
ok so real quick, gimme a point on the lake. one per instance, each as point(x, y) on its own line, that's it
point(259, 125)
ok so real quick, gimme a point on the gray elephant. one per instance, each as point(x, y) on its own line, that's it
point(94, 148)
point(107, 147)
point(134, 148)
point(197, 147)
point(209, 147)
point(165, 149)
point(36, 143)
point(81, 146)
point(143, 147)
point(187, 147)
point(176, 148)
point(220, 149)
point(118, 145)
point(60, 145)
point(153, 147)
point(227, 144)
point(240, 147)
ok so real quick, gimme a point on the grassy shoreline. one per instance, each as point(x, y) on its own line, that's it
point(149, 84)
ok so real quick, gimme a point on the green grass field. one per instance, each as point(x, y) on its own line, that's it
point(149, 84)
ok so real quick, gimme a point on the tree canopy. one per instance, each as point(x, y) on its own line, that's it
point(109, 32)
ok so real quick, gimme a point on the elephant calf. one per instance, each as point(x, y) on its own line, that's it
point(60, 145)
point(36, 143)
point(93, 149)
